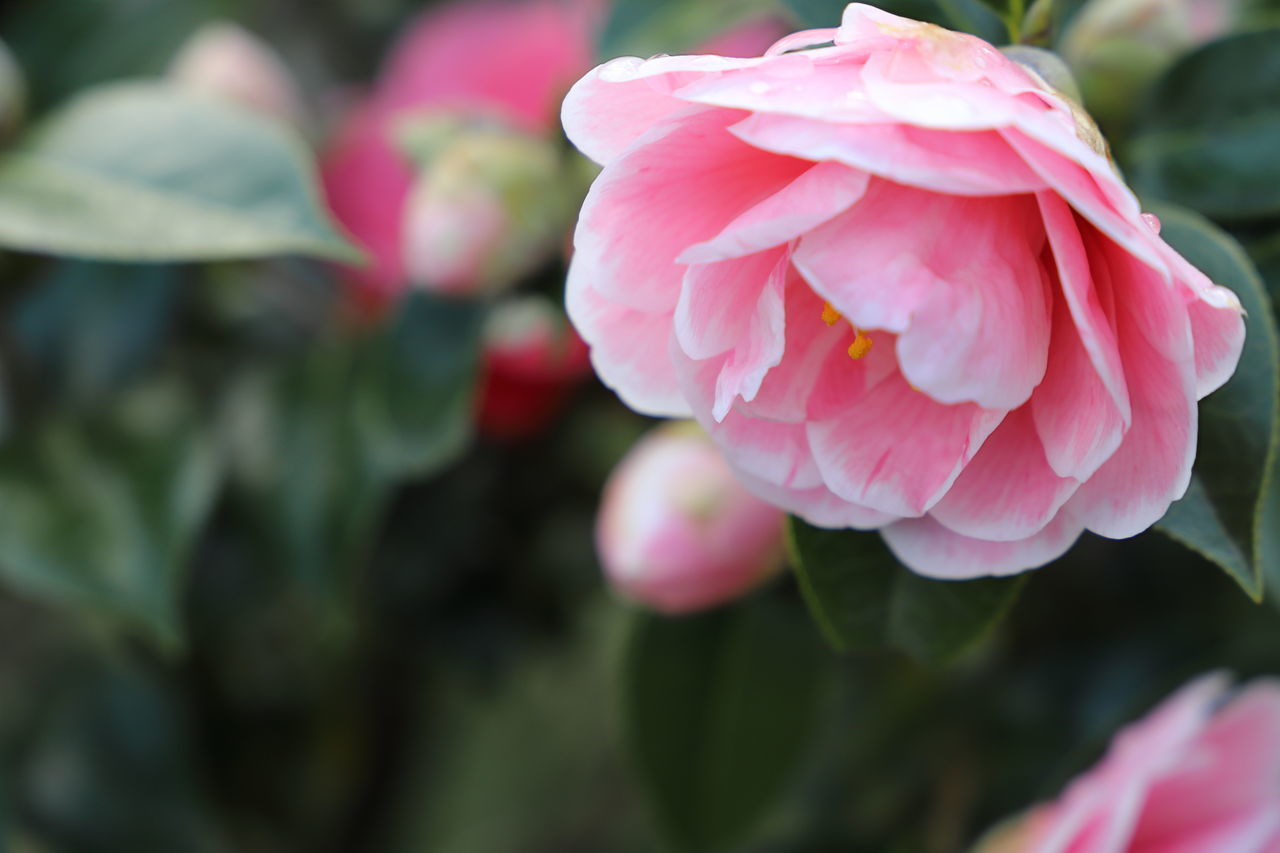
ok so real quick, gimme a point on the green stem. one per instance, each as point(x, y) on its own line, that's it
point(1013, 21)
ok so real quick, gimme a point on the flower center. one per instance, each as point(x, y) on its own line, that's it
point(861, 340)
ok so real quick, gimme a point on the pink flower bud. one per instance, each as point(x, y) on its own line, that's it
point(488, 208)
point(676, 530)
point(532, 361)
point(228, 62)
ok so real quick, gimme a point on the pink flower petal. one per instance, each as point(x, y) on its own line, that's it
point(679, 184)
point(816, 505)
point(820, 193)
point(895, 449)
point(976, 163)
point(623, 342)
point(1152, 466)
point(928, 548)
point(1007, 492)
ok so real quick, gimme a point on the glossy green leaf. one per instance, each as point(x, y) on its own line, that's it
point(863, 599)
point(150, 173)
point(719, 709)
point(100, 516)
point(1208, 134)
point(1221, 515)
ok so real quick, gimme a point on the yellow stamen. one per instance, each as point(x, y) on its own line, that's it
point(830, 316)
point(861, 345)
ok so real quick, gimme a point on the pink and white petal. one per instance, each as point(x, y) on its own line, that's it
point(814, 84)
point(983, 336)
point(629, 349)
point(810, 343)
point(904, 86)
point(718, 300)
point(822, 192)
point(929, 549)
point(1152, 466)
point(616, 103)
point(1077, 419)
point(1084, 190)
point(974, 163)
point(680, 184)
point(871, 262)
point(760, 349)
point(1007, 492)
point(816, 505)
point(1076, 278)
point(1219, 340)
point(897, 450)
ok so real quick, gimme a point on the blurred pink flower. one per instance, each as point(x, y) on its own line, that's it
point(229, 62)
point(677, 532)
point(532, 362)
point(1199, 774)
point(901, 285)
point(532, 50)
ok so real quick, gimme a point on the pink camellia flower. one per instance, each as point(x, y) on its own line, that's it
point(226, 61)
point(677, 531)
point(899, 282)
point(532, 362)
point(1200, 774)
point(532, 51)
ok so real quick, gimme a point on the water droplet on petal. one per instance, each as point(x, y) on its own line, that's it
point(1153, 221)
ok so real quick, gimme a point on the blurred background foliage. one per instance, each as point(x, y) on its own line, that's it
point(268, 583)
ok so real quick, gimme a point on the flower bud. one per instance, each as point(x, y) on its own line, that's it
point(228, 62)
point(532, 361)
point(488, 208)
point(1119, 47)
point(677, 531)
point(12, 92)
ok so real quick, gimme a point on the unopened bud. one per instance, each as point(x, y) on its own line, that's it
point(228, 62)
point(1118, 47)
point(678, 532)
point(533, 359)
point(489, 207)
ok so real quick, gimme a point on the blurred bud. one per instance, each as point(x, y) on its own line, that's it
point(13, 92)
point(1118, 47)
point(532, 361)
point(228, 62)
point(489, 207)
point(677, 531)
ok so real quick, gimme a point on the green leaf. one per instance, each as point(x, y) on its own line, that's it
point(90, 328)
point(1222, 514)
point(1208, 134)
point(100, 516)
point(863, 599)
point(719, 710)
point(415, 401)
point(320, 442)
point(149, 173)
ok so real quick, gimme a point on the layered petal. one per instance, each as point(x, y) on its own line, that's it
point(930, 549)
point(681, 184)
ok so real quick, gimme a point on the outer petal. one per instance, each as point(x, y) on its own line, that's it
point(628, 349)
point(1007, 492)
point(930, 549)
point(1152, 466)
point(1217, 323)
point(533, 50)
point(975, 163)
point(616, 103)
point(817, 505)
point(678, 185)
